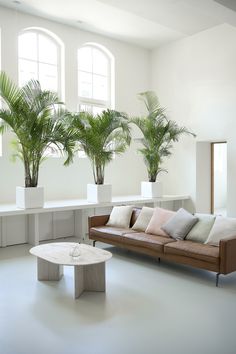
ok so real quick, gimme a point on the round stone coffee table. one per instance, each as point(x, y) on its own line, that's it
point(89, 266)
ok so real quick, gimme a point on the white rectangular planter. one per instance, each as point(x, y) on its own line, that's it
point(27, 198)
point(151, 189)
point(99, 193)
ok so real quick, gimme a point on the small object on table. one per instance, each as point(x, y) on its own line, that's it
point(75, 251)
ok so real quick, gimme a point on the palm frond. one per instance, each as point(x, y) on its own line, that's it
point(37, 118)
point(158, 132)
point(150, 100)
point(100, 137)
point(10, 93)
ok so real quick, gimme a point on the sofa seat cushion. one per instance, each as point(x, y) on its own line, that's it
point(194, 250)
point(109, 232)
point(141, 239)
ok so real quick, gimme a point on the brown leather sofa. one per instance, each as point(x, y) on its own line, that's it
point(221, 260)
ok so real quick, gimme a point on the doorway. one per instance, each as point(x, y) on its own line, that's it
point(219, 178)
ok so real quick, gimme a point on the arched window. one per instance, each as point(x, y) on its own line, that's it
point(39, 57)
point(95, 78)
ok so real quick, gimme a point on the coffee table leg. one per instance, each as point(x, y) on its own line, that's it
point(79, 280)
point(90, 277)
point(48, 270)
point(94, 277)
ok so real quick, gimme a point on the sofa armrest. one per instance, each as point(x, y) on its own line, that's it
point(228, 255)
point(97, 220)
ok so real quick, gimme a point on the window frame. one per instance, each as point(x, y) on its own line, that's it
point(60, 55)
point(93, 102)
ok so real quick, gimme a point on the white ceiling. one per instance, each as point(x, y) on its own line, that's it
point(148, 23)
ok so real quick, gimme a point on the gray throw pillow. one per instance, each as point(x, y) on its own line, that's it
point(201, 230)
point(180, 224)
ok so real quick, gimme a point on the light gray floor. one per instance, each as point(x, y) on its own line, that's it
point(148, 308)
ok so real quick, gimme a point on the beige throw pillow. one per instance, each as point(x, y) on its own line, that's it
point(201, 230)
point(143, 219)
point(120, 216)
point(160, 217)
point(222, 228)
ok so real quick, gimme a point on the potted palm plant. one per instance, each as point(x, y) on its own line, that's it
point(37, 119)
point(159, 134)
point(100, 137)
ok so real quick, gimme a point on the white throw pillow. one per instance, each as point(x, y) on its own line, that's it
point(222, 228)
point(120, 216)
point(143, 219)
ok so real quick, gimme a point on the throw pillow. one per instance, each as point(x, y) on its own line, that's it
point(160, 217)
point(120, 216)
point(201, 230)
point(222, 228)
point(143, 219)
point(180, 224)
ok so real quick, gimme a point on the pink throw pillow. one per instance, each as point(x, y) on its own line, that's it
point(159, 218)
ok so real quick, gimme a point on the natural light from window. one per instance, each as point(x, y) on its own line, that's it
point(94, 79)
point(38, 59)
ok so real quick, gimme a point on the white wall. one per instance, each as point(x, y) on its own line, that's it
point(203, 177)
point(220, 176)
point(131, 76)
point(195, 78)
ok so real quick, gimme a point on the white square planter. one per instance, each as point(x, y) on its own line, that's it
point(151, 189)
point(99, 193)
point(27, 198)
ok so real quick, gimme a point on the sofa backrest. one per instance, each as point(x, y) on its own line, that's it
point(134, 216)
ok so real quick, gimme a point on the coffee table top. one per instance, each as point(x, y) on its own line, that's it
point(59, 253)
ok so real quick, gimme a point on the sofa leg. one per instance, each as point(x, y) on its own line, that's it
point(159, 260)
point(94, 242)
point(217, 279)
